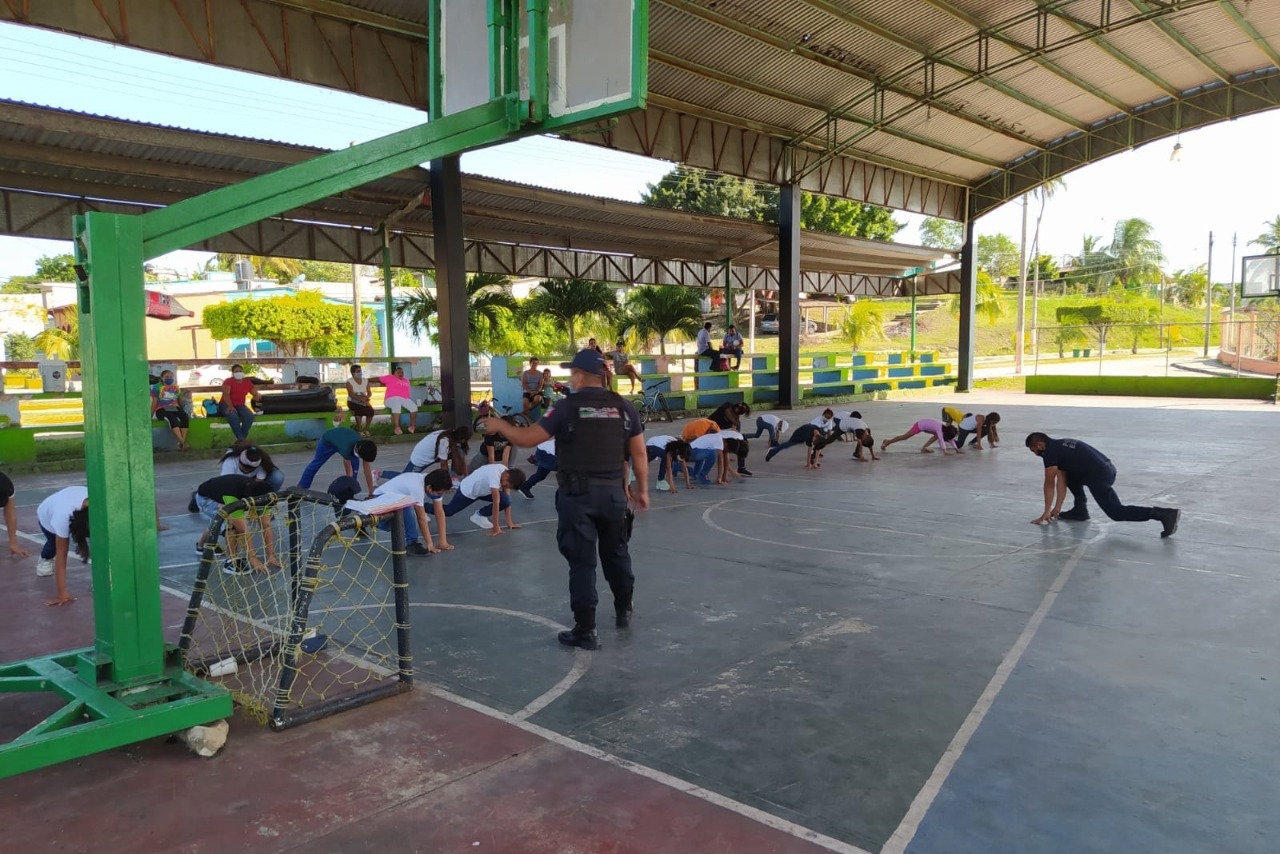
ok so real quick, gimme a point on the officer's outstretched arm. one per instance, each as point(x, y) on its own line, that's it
point(525, 437)
point(640, 464)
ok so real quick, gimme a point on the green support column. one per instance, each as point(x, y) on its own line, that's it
point(118, 463)
point(913, 317)
point(728, 294)
point(388, 301)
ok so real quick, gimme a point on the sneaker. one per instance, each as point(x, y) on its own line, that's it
point(484, 523)
point(1168, 517)
point(580, 639)
point(663, 486)
point(745, 473)
point(526, 493)
point(233, 566)
point(192, 507)
point(1075, 514)
point(44, 567)
point(772, 452)
point(217, 549)
point(702, 481)
point(416, 549)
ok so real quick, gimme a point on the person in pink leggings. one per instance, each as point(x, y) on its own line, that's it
point(944, 433)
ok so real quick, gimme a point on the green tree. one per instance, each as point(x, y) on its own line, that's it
point(999, 256)
point(1047, 267)
point(19, 347)
point(569, 301)
point(323, 271)
point(694, 190)
point(1189, 286)
point(862, 324)
point(58, 343)
point(1102, 316)
point(56, 268)
point(1269, 239)
point(294, 323)
point(1135, 255)
point(988, 300)
point(490, 309)
point(21, 285)
point(665, 311)
point(941, 233)
point(1092, 268)
point(282, 270)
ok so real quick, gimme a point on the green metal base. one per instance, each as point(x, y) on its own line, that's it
point(98, 714)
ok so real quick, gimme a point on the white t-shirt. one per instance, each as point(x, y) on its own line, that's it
point(704, 340)
point(55, 511)
point(778, 424)
point(659, 441)
point(479, 483)
point(969, 422)
point(711, 441)
point(432, 448)
point(849, 425)
point(826, 425)
point(548, 447)
point(410, 484)
point(231, 465)
point(729, 434)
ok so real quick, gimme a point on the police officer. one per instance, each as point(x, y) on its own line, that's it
point(596, 431)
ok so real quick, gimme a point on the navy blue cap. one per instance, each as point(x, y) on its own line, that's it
point(588, 361)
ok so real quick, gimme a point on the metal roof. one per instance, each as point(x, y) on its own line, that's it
point(944, 107)
point(55, 154)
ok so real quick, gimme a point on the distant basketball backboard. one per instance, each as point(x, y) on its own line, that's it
point(1260, 276)
point(592, 60)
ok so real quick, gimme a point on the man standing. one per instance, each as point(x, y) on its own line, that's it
point(596, 431)
point(704, 346)
point(356, 455)
point(731, 345)
point(1070, 464)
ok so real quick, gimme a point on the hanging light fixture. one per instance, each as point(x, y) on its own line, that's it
point(1175, 156)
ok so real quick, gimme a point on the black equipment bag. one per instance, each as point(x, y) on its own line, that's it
point(288, 402)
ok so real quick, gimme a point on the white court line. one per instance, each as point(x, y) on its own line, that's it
point(682, 786)
point(910, 823)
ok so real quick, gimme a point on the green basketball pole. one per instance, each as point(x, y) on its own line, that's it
point(130, 685)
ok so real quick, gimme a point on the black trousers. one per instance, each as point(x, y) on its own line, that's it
point(1101, 487)
point(965, 434)
point(591, 523)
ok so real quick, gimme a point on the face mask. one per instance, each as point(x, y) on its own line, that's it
point(167, 380)
point(239, 375)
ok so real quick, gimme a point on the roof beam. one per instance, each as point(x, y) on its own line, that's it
point(984, 77)
point(751, 86)
point(1034, 54)
point(1086, 30)
point(723, 21)
point(1180, 40)
point(1251, 31)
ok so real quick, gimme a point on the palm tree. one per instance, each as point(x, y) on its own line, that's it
point(567, 300)
point(862, 323)
point(662, 310)
point(1094, 268)
point(59, 343)
point(1269, 239)
point(1136, 255)
point(489, 306)
point(988, 300)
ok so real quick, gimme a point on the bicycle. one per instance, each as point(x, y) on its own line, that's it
point(653, 405)
point(486, 411)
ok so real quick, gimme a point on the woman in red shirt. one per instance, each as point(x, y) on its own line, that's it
point(237, 391)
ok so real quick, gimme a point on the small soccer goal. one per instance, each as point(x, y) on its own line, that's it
point(305, 612)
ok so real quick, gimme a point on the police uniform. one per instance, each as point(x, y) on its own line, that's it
point(592, 428)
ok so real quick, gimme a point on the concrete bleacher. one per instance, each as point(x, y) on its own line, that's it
point(689, 383)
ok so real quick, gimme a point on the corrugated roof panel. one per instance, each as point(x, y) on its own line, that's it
point(1220, 38)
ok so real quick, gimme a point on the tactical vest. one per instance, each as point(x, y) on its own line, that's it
point(592, 444)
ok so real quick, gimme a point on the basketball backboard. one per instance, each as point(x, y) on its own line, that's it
point(590, 61)
point(1260, 276)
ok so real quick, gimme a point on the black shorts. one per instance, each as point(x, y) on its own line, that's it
point(6, 490)
point(174, 417)
point(530, 395)
point(361, 409)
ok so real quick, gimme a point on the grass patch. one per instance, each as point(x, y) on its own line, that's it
point(1001, 384)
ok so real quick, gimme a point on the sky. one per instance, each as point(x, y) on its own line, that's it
point(1224, 183)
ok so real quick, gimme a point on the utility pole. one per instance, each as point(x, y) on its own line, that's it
point(355, 305)
point(1022, 294)
point(1208, 297)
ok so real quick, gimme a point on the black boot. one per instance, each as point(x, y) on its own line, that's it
point(1077, 513)
point(622, 615)
point(583, 634)
point(1168, 517)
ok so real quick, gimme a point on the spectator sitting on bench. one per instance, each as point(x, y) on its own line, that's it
point(358, 401)
point(399, 396)
point(166, 405)
point(233, 404)
point(731, 345)
point(622, 365)
point(532, 384)
point(704, 346)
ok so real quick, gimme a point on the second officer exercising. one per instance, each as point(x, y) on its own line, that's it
point(596, 432)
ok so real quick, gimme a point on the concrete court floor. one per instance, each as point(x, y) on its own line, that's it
point(871, 657)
